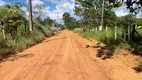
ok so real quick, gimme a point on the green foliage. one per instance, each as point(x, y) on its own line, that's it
point(107, 38)
point(126, 21)
point(16, 29)
point(133, 5)
point(23, 41)
point(68, 21)
point(11, 18)
point(90, 11)
point(139, 21)
point(110, 19)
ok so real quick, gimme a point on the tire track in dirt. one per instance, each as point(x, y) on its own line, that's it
point(85, 57)
point(50, 73)
point(44, 59)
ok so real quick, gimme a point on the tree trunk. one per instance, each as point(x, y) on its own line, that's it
point(25, 26)
point(102, 17)
point(30, 16)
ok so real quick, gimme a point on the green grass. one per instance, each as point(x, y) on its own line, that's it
point(107, 38)
point(22, 41)
point(115, 45)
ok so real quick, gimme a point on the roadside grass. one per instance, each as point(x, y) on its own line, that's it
point(24, 40)
point(107, 38)
point(114, 45)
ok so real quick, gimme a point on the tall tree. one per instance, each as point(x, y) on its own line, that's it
point(68, 21)
point(90, 11)
point(10, 19)
point(30, 16)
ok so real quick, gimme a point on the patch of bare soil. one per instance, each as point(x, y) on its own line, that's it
point(126, 58)
point(122, 64)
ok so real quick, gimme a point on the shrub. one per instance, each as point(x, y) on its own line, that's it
point(107, 38)
point(23, 41)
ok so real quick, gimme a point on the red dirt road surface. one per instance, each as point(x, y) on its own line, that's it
point(63, 57)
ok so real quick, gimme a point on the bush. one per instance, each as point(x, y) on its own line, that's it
point(23, 41)
point(108, 39)
point(105, 38)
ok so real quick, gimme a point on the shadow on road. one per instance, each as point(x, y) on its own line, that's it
point(55, 39)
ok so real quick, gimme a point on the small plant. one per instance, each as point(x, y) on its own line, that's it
point(138, 68)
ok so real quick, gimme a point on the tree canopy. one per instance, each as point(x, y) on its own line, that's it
point(69, 21)
point(90, 11)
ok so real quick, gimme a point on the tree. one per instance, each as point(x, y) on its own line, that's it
point(30, 16)
point(68, 21)
point(10, 19)
point(90, 11)
point(40, 12)
point(125, 21)
point(110, 18)
point(139, 22)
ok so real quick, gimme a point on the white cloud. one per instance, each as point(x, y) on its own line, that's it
point(57, 1)
point(121, 11)
point(38, 9)
point(139, 15)
point(37, 2)
point(2, 3)
point(62, 6)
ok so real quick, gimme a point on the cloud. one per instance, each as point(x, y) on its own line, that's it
point(57, 1)
point(62, 6)
point(121, 11)
point(37, 2)
point(2, 3)
point(139, 15)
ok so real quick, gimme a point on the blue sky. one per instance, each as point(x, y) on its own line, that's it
point(60, 6)
point(52, 7)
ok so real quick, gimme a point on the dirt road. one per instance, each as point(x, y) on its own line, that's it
point(61, 57)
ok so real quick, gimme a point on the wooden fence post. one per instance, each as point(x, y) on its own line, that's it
point(115, 32)
point(128, 32)
point(106, 30)
point(3, 32)
point(96, 29)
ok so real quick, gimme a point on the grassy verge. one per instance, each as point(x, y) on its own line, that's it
point(107, 38)
point(24, 40)
point(113, 45)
